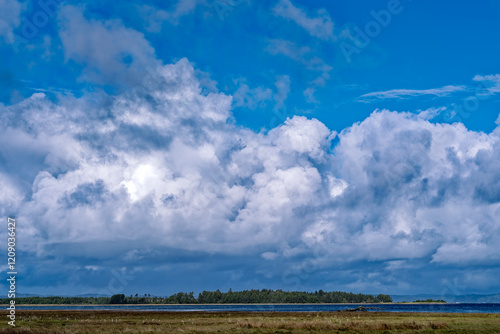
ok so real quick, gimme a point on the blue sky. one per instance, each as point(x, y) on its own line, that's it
point(156, 147)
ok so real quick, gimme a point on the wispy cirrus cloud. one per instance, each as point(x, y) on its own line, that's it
point(320, 26)
point(409, 93)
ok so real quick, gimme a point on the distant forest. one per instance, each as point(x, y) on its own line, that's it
point(263, 296)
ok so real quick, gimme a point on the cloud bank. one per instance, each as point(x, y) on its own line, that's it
point(164, 167)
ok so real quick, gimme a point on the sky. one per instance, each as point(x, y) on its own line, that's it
point(189, 145)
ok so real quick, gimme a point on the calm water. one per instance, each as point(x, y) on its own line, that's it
point(453, 308)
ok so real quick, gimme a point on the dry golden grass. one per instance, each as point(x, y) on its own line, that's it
point(71, 322)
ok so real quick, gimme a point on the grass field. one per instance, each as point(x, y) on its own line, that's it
point(248, 322)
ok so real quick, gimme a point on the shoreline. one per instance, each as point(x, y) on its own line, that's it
point(242, 304)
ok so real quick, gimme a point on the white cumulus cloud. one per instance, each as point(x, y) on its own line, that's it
point(163, 166)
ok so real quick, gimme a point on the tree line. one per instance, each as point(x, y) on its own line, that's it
point(263, 296)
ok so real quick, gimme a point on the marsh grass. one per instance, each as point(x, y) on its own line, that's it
point(346, 326)
point(69, 322)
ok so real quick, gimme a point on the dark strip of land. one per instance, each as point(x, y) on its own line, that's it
point(216, 297)
point(60, 321)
